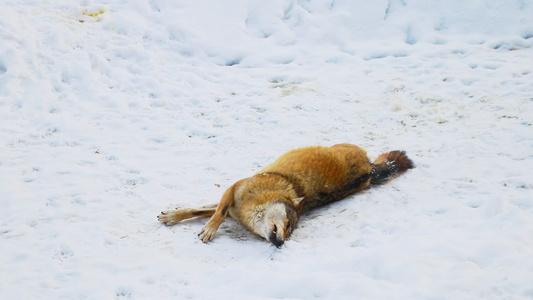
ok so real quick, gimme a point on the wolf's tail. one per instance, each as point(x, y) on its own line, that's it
point(389, 165)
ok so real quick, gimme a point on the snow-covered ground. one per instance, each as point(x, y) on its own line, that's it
point(112, 111)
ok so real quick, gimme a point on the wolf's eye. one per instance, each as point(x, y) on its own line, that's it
point(275, 229)
point(288, 225)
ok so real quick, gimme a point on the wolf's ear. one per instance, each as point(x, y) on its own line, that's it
point(297, 202)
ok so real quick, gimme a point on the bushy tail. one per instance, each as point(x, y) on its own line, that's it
point(390, 165)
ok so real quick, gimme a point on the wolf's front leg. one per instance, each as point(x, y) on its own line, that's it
point(208, 232)
point(171, 217)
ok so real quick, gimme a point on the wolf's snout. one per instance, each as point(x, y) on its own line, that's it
point(276, 238)
point(276, 241)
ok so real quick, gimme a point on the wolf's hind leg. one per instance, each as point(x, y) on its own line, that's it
point(171, 217)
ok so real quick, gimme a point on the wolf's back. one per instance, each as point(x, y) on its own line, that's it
point(322, 175)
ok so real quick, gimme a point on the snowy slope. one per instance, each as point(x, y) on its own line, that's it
point(112, 111)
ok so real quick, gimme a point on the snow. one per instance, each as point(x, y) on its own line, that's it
point(112, 111)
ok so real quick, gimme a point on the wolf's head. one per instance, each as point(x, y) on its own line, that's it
point(279, 219)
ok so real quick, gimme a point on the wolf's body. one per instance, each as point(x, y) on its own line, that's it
point(270, 202)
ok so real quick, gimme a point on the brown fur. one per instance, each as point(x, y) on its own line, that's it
point(298, 181)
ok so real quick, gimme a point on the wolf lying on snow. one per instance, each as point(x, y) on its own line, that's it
point(270, 202)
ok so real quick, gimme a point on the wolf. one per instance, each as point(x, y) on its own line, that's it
point(270, 202)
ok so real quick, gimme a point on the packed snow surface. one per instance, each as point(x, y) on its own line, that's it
point(112, 111)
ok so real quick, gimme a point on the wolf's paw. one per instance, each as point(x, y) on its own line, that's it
point(207, 234)
point(169, 217)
